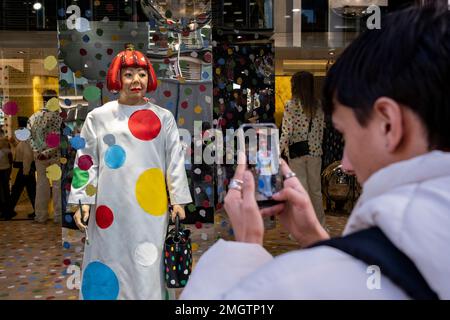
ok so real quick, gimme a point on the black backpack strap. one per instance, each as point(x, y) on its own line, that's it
point(374, 248)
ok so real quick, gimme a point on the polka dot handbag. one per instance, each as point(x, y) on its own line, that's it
point(177, 255)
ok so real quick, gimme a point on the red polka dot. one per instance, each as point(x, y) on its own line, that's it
point(83, 52)
point(184, 104)
point(205, 204)
point(166, 61)
point(109, 51)
point(64, 69)
point(198, 225)
point(104, 217)
point(66, 262)
point(144, 125)
point(85, 162)
point(208, 178)
point(52, 140)
point(167, 93)
point(202, 88)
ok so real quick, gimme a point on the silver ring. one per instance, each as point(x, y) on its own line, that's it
point(236, 184)
point(289, 175)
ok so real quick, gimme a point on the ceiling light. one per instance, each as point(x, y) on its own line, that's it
point(295, 10)
point(37, 6)
point(21, 52)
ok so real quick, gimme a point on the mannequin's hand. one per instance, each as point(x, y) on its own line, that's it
point(81, 223)
point(178, 209)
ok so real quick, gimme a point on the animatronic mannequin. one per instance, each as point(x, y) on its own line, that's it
point(132, 153)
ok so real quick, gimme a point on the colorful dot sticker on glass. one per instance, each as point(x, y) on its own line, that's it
point(151, 192)
point(99, 282)
point(53, 172)
point(91, 93)
point(78, 142)
point(144, 125)
point(104, 217)
point(187, 91)
point(80, 178)
point(115, 156)
point(198, 109)
point(10, 108)
point(52, 140)
point(85, 162)
point(22, 134)
point(50, 62)
point(53, 104)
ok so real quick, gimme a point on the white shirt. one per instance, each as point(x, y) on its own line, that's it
point(408, 200)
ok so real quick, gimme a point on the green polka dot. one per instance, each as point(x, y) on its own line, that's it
point(80, 178)
point(128, 10)
point(102, 73)
point(187, 91)
point(168, 14)
point(183, 282)
point(191, 207)
point(98, 56)
point(63, 83)
point(173, 258)
point(99, 32)
point(91, 93)
point(183, 64)
point(140, 45)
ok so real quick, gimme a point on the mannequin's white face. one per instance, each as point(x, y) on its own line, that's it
point(134, 85)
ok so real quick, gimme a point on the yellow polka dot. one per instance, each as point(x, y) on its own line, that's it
point(218, 71)
point(169, 52)
point(181, 121)
point(230, 51)
point(63, 160)
point(115, 37)
point(239, 81)
point(151, 192)
point(198, 109)
point(53, 104)
point(78, 74)
point(182, 80)
point(53, 172)
point(62, 42)
point(91, 190)
point(194, 246)
point(50, 62)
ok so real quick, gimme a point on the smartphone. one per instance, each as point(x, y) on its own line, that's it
point(261, 146)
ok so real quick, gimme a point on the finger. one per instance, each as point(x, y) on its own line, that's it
point(241, 166)
point(291, 195)
point(274, 210)
point(77, 218)
point(248, 188)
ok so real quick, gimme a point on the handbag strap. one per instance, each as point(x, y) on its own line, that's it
point(309, 130)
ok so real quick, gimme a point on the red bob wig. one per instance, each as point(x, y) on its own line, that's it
point(129, 58)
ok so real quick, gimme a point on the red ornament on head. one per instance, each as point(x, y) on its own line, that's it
point(129, 58)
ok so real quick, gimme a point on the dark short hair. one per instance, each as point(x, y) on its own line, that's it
point(407, 60)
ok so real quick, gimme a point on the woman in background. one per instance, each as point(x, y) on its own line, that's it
point(301, 137)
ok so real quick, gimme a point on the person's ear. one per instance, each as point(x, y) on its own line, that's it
point(390, 119)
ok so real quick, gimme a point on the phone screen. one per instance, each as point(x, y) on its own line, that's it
point(260, 143)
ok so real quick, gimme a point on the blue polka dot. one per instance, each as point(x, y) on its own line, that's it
point(208, 191)
point(260, 183)
point(61, 12)
point(67, 131)
point(152, 22)
point(221, 85)
point(58, 286)
point(86, 38)
point(115, 157)
point(77, 142)
point(99, 282)
point(68, 218)
point(170, 105)
point(88, 13)
point(109, 139)
point(66, 245)
point(205, 75)
point(221, 61)
point(67, 102)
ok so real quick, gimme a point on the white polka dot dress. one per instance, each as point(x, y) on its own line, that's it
point(128, 157)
